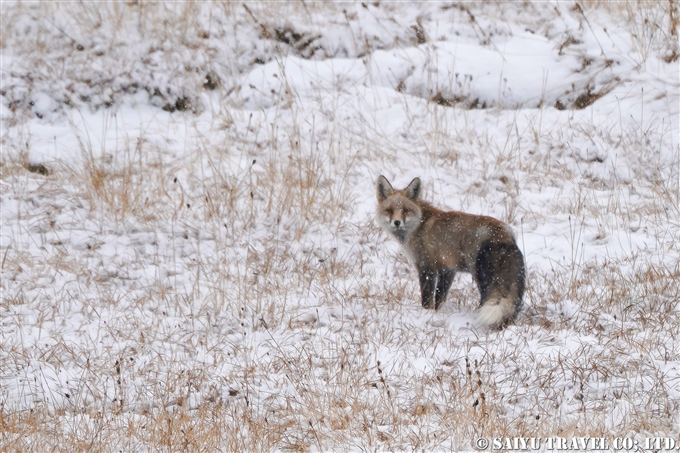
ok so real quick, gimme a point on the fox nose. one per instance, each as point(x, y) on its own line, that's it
point(397, 223)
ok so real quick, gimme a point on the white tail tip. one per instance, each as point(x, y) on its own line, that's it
point(495, 312)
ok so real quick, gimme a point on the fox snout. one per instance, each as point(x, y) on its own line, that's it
point(395, 218)
point(398, 228)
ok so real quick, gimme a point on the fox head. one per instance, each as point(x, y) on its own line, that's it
point(399, 210)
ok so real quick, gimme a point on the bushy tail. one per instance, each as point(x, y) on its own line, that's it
point(500, 275)
point(496, 312)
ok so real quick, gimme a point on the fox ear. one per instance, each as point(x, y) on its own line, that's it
point(384, 188)
point(413, 189)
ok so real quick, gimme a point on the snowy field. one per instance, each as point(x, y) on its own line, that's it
point(190, 260)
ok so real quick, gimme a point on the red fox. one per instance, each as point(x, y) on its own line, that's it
point(442, 243)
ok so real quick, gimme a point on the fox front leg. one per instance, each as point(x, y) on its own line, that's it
point(428, 285)
point(444, 281)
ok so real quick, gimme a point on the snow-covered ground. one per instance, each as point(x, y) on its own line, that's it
point(189, 254)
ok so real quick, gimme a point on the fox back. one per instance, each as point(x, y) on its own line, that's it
point(441, 243)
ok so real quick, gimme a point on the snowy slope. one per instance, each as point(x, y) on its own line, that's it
point(190, 258)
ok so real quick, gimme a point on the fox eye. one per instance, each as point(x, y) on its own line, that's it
point(406, 211)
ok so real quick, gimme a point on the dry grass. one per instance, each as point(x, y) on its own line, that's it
point(232, 293)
